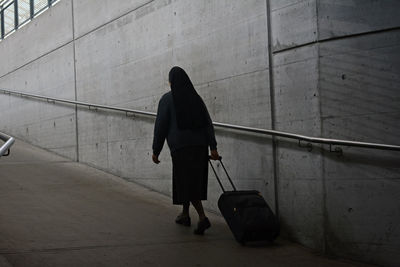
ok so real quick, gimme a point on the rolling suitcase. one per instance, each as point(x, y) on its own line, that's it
point(247, 214)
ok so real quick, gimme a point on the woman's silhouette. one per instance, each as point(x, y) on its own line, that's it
point(183, 119)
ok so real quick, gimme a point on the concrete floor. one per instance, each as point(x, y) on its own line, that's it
point(54, 212)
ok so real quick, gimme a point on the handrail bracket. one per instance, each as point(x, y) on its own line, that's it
point(307, 145)
point(92, 108)
point(130, 114)
point(337, 150)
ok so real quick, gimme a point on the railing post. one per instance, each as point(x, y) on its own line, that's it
point(16, 22)
point(1, 22)
point(32, 8)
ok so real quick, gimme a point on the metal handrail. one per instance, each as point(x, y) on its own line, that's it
point(318, 140)
point(5, 148)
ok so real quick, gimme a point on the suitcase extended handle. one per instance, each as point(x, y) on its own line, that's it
point(216, 175)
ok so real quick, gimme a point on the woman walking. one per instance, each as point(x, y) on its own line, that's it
point(183, 119)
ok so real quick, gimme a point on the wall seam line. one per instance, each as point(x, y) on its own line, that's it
point(114, 19)
point(318, 41)
point(38, 58)
point(323, 184)
point(73, 37)
point(272, 106)
point(75, 82)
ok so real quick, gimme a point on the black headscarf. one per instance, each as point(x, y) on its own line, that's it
point(191, 112)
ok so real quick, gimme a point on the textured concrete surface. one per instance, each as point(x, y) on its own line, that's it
point(336, 75)
point(297, 110)
point(360, 100)
point(46, 33)
point(55, 212)
point(293, 23)
point(46, 125)
point(135, 74)
point(341, 17)
point(333, 71)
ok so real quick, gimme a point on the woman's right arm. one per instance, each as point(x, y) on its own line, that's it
point(161, 126)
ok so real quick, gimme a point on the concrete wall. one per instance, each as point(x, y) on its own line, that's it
point(125, 62)
point(332, 70)
point(336, 75)
point(360, 99)
point(38, 58)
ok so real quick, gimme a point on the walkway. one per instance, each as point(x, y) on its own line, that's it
point(54, 212)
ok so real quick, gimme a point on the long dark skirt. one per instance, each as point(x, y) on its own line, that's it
point(189, 174)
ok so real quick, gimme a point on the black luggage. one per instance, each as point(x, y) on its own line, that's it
point(248, 215)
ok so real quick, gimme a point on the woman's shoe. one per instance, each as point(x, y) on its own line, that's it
point(183, 219)
point(202, 226)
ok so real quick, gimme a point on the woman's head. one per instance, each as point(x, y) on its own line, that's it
point(177, 76)
point(190, 109)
